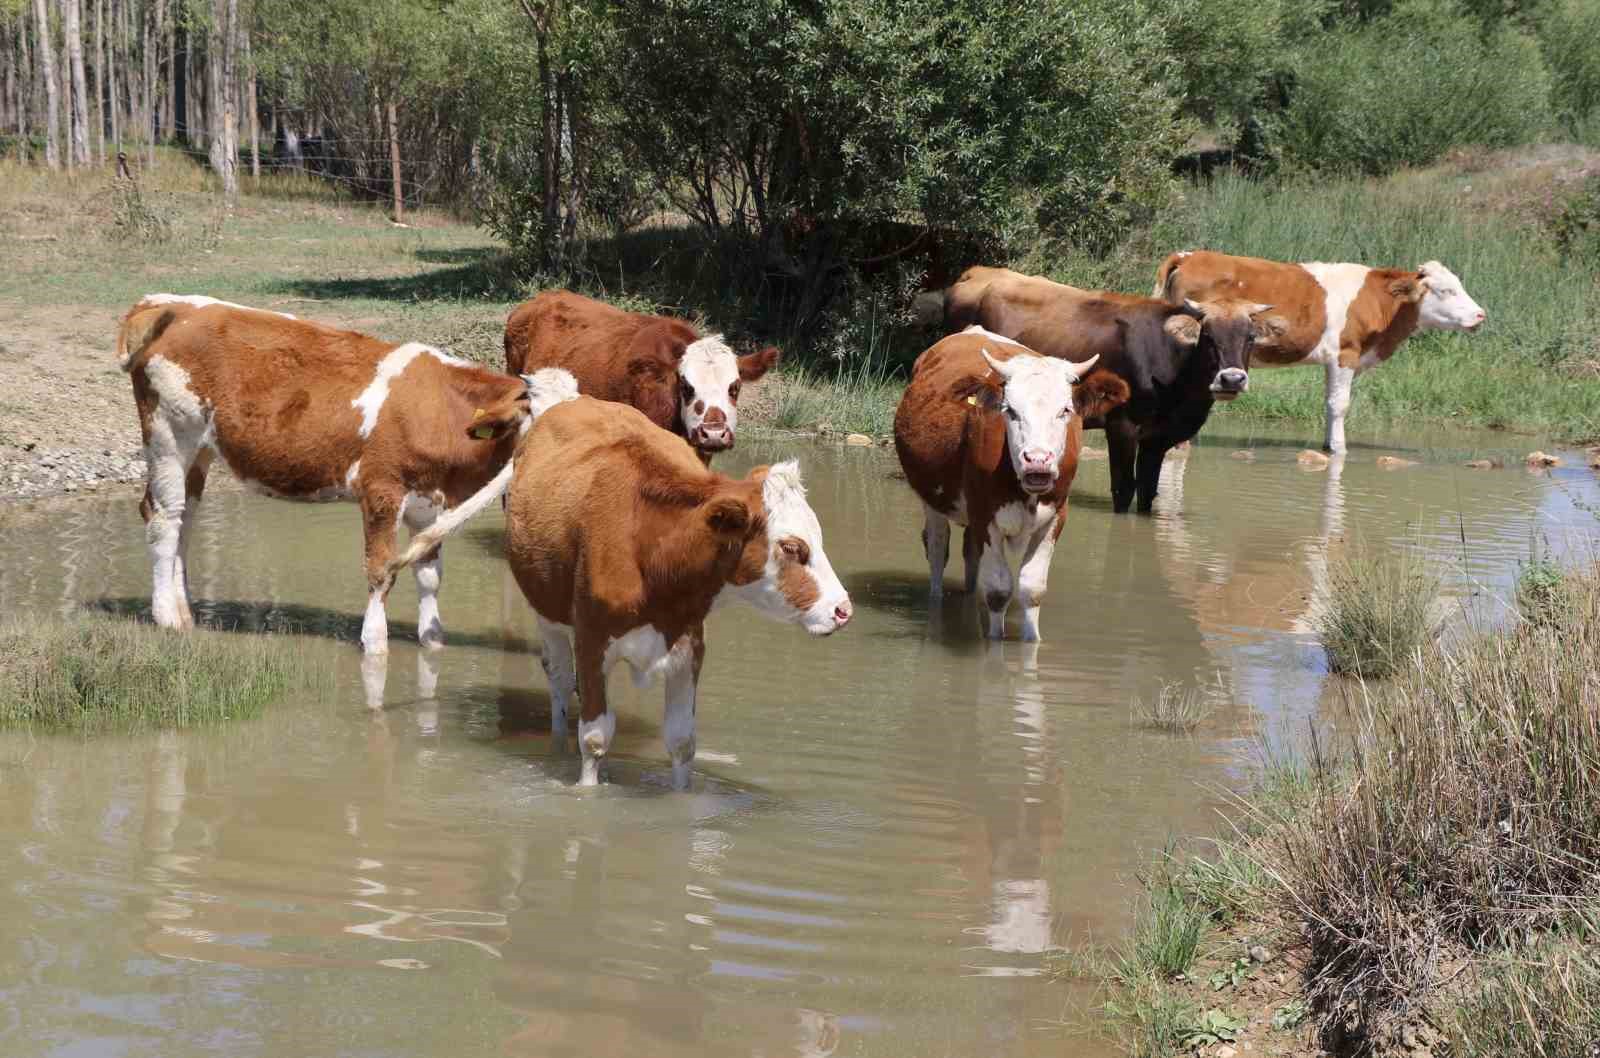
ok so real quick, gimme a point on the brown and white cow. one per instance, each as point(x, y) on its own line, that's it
point(1346, 317)
point(681, 381)
point(301, 411)
point(1178, 360)
point(988, 433)
point(622, 540)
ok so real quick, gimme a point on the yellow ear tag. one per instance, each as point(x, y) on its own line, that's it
point(483, 433)
point(973, 400)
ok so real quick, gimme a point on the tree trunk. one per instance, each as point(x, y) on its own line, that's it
point(52, 90)
point(100, 78)
point(113, 99)
point(255, 115)
point(73, 24)
point(25, 82)
point(394, 163)
point(169, 106)
point(150, 64)
point(222, 86)
point(549, 151)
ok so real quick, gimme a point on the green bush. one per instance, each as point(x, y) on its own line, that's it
point(1407, 87)
point(1569, 33)
point(1376, 614)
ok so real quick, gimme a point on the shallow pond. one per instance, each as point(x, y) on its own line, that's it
point(890, 834)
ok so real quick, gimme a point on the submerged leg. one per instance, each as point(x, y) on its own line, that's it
point(1152, 453)
point(597, 725)
point(995, 581)
point(1339, 383)
point(561, 673)
point(936, 545)
point(677, 726)
point(379, 517)
point(169, 452)
point(1122, 446)
point(194, 488)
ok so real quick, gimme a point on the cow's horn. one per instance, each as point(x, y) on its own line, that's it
point(1079, 370)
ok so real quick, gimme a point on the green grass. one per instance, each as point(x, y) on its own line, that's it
point(808, 399)
point(91, 673)
point(1174, 708)
point(1377, 612)
point(1543, 1001)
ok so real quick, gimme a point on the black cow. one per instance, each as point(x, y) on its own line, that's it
point(1178, 360)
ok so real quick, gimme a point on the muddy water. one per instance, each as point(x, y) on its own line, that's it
point(890, 832)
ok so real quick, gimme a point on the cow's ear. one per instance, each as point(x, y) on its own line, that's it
point(753, 365)
point(1271, 328)
point(1408, 288)
point(646, 367)
point(494, 422)
point(727, 516)
point(1098, 393)
point(1183, 329)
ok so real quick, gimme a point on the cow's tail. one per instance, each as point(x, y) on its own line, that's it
point(143, 324)
point(1164, 274)
point(927, 309)
point(547, 387)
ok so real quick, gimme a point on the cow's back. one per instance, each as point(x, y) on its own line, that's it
point(1291, 290)
point(943, 433)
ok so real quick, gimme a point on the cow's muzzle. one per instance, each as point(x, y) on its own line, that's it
point(1038, 471)
point(711, 437)
point(1229, 383)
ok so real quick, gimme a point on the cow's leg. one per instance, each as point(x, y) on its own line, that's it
point(597, 724)
point(560, 671)
point(428, 570)
point(936, 545)
point(380, 515)
point(995, 580)
point(971, 556)
point(1152, 452)
point(677, 727)
point(1340, 379)
point(1034, 575)
point(194, 487)
point(1122, 445)
point(170, 450)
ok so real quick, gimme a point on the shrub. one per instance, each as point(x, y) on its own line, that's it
point(1545, 596)
point(1376, 614)
point(1466, 818)
point(95, 673)
point(1407, 87)
point(1568, 33)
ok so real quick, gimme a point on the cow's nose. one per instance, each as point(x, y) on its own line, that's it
point(842, 612)
point(1036, 457)
point(1232, 378)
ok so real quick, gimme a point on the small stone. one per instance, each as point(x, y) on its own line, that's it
point(1260, 953)
point(1244, 455)
point(824, 428)
point(1479, 464)
point(1225, 1050)
point(860, 440)
point(1395, 462)
point(1312, 460)
point(1091, 453)
point(1542, 459)
point(1594, 459)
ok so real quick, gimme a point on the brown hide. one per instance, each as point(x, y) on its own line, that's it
point(1383, 315)
point(613, 524)
point(1297, 299)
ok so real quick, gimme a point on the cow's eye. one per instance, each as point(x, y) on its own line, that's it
point(688, 390)
point(795, 548)
point(733, 391)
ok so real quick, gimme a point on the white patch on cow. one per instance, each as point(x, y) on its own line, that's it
point(200, 301)
point(352, 476)
point(708, 371)
point(180, 426)
point(1037, 402)
point(978, 328)
point(1016, 555)
point(788, 514)
point(371, 400)
point(447, 359)
point(1342, 283)
point(548, 387)
point(1445, 303)
point(645, 650)
point(375, 626)
point(677, 723)
point(419, 513)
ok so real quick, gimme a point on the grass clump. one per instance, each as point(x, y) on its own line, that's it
point(846, 403)
point(1376, 614)
point(1543, 1002)
point(91, 673)
point(1174, 708)
point(1465, 820)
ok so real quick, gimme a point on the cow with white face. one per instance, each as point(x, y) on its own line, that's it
point(622, 541)
point(1348, 318)
point(988, 434)
point(662, 366)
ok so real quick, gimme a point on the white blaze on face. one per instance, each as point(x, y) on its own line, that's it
point(709, 377)
point(1037, 404)
point(1445, 304)
point(798, 583)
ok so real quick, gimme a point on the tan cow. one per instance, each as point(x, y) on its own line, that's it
point(988, 433)
point(301, 411)
point(660, 365)
point(1346, 317)
point(622, 540)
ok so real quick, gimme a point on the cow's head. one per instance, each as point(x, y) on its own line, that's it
point(783, 571)
point(1443, 301)
point(709, 377)
point(1036, 399)
point(1223, 333)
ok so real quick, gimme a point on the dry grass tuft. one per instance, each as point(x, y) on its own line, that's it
point(1378, 612)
